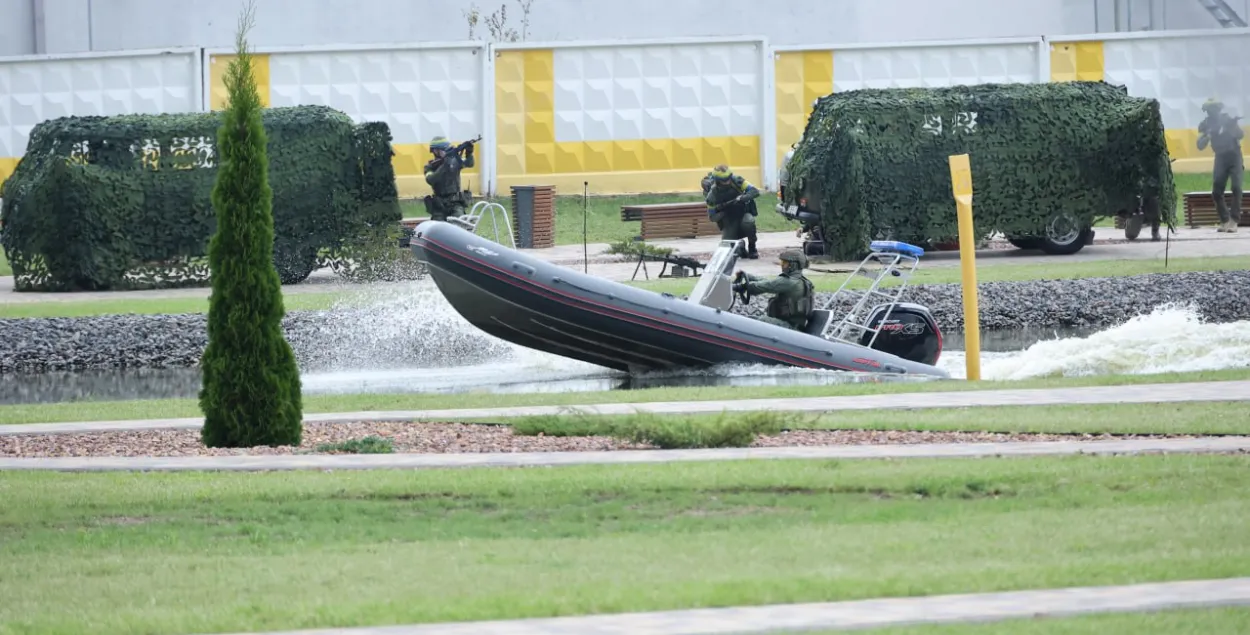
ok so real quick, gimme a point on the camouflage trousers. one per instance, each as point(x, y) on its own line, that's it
point(1228, 167)
point(443, 207)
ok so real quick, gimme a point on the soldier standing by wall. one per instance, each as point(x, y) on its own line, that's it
point(442, 173)
point(1224, 135)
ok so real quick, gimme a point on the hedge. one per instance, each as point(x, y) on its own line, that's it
point(875, 161)
point(123, 202)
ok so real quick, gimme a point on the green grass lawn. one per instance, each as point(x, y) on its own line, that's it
point(931, 275)
point(1198, 418)
point(603, 213)
point(228, 552)
point(5, 269)
point(1204, 621)
point(165, 408)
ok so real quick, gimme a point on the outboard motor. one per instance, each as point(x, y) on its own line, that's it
point(910, 332)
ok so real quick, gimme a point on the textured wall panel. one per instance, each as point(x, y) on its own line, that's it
point(799, 78)
point(34, 91)
point(217, 66)
point(935, 66)
point(633, 118)
point(1182, 73)
point(1076, 61)
point(419, 93)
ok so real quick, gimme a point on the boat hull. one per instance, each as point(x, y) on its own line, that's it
point(533, 303)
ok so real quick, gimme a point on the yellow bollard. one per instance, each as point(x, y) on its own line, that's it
point(961, 185)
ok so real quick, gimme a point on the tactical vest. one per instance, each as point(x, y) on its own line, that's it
point(792, 308)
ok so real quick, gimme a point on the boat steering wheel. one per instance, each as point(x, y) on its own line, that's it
point(741, 295)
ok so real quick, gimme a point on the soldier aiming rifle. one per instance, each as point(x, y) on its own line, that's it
point(442, 173)
point(1224, 135)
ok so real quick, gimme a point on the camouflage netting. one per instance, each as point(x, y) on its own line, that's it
point(125, 202)
point(875, 161)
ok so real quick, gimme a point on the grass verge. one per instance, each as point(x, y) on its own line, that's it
point(739, 429)
point(392, 547)
point(1204, 621)
point(166, 408)
point(5, 269)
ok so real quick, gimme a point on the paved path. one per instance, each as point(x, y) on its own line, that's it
point(1189, 243)
point(855, 615)
point(1140, 393)
point(1200, 445)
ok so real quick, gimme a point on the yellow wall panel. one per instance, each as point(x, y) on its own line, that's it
point(627, 155)
point(540, 126)
point(715, 151)
point(1076, 61)
point(688, 155)
point(623, 182)
point(510, 159)
point(510, 113)
point(817, 76)
point(744, 151)
point(569, 157)
point(7, 166)
point(510, 129)
point(540, 158)
point(657, 154)
point(217, 79)
point(539, 65)
point(597, 156)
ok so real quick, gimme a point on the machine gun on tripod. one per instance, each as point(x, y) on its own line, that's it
point(683, 267)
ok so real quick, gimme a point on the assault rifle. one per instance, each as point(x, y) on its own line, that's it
point(455, 152)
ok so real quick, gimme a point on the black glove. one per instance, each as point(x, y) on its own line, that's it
point(740, 287)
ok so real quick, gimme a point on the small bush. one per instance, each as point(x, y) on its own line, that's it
point(368, 445)
point(668, 432)
point(633, 248)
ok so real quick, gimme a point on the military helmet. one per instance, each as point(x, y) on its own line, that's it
point(722, 173)
point(793, 259)
point(440, 143)
point(1212, 105)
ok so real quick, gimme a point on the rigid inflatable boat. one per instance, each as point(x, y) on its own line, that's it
point(547, 307)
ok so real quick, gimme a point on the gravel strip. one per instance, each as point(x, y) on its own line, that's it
point(443, 438)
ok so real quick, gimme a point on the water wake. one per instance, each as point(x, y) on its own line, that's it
point(1172, 338)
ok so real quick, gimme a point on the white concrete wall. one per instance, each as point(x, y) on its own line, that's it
point(103, 25)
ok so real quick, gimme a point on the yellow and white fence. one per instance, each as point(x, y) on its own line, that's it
point(624, 117)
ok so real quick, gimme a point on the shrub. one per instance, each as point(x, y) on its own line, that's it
point(251, 385)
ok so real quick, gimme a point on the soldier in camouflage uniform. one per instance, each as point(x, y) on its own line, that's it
point(442, 173)
point(731, 205)
point(793, 294)
point(1224, 135)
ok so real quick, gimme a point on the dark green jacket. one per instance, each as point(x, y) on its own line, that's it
point(723, 194)
point(792, 296)
point(444, 178)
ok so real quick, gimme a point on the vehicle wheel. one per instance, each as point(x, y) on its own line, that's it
point(1026, 242)
point(1063, 235)
point(1132, 226)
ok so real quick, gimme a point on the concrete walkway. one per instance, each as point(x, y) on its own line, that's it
point(1084, 395)
point(251, 463)
point(854, 615)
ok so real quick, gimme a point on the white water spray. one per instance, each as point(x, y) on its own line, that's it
point(1172, 338)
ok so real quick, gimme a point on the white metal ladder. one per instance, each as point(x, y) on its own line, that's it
point(897, 260)
point(470, 221)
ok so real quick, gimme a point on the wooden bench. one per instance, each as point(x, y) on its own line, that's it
point(672, 220)
point(1200, 209)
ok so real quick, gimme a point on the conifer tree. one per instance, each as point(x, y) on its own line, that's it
point(251, 386)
